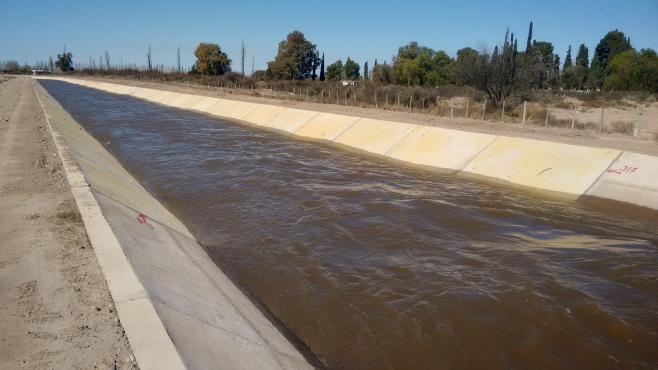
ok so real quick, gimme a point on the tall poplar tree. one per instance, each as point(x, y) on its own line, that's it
point(567, 60)
point(529, 43)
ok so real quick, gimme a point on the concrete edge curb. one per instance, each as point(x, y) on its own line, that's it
point(148, 338)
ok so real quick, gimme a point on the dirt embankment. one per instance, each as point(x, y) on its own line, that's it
point(587, 137)
point(55, 309)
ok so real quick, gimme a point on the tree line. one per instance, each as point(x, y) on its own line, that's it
point(614, 65)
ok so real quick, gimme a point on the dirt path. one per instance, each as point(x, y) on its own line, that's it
point(55, 309)
point(531, 131)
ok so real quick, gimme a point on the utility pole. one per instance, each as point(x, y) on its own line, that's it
point(148, 58)
point(242, 55)
point(178, 59)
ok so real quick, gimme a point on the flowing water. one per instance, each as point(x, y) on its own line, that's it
point(377, 266)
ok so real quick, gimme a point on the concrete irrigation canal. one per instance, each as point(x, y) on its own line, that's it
point(352, 261)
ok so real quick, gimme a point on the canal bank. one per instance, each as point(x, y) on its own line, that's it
point(570, 171)
point(177, 307)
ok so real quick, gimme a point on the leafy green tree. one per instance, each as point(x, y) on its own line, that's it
point(613, 43)
point(335, 71)
point(295, 59)
point(630, 70)
point(365, 70)
point(567, 60)
point(420, 65)
point(351, 69)
point(65, 61)
point(322, 68)
point(573, 77)
point(382, 73)
point(537, 68)
point(211, 60)
point(466, 57)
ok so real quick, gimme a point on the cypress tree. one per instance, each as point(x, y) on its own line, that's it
point(582, 59)
point(322, 68)
point(529, 44)
point(556, 66)
point(365, 70)
point(567, 60)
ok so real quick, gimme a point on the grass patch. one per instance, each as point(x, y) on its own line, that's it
point(622, 127)
point(68, 216)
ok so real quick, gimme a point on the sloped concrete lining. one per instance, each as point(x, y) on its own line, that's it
point(104, 172)
point(632, 178)
point(442, 148)
point(290, 120)
point(326, 126)
point(563, 168)
point(204, 104)
point(188, 102)
point(170, 99)
point(207, 318)
point(220, 107)
point(238, 110)
point(178, 309)
point(374, 136)
point(263, 114)
point(148, 338)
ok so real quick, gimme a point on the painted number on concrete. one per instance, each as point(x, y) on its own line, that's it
point(142, 219)
point(623, 170)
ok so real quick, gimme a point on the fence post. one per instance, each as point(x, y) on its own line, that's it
point(375, 99)
point(502, 112)
point(411, 99)
point(354, 96)
point(601, 124)
point(398, 100)
point(636, 126)
point(546, 120)
point(345, 97)
point(468, 101)
point(484, 108)
point(386, 102)
point(573, 117)
point(337, 97)
point(525, 108)
point(422, 107)
point(321, 96)
point(452, 107)
point(437, 105)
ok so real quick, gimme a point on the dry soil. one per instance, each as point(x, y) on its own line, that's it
point(55, 308)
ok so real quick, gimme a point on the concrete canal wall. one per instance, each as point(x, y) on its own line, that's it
point(562, 168)
point(177, 307)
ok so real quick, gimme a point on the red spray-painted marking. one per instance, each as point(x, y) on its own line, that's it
point(623, 170)
point(142, 219)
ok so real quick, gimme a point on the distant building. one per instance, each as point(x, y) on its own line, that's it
point(349, 82)
point(40, 72)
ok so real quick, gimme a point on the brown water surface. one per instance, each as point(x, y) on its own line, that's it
point(377, 266)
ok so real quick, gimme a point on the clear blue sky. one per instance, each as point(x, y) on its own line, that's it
point(363, 30)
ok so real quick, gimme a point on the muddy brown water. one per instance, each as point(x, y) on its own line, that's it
point(376, 266)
